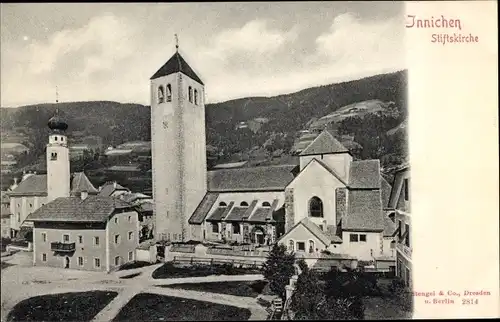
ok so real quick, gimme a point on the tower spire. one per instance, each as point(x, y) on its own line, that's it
point(57, 95)
point(176, 43)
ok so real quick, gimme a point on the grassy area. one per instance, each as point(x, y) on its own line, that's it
point(237, 288)
point(61, 307)
point(169, 270)
point(136, 264)
point(155, 307)
point(130, 276)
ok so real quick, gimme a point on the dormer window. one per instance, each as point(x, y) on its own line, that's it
point(243, 204)
point(169, 93)
point(190, 94)
point(222, 204)
point(266, 204)
point(161, 95)
point(195, 97)
point(53, 156)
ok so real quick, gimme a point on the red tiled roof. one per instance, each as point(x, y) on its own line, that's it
point(264, 178)
point(74, 209)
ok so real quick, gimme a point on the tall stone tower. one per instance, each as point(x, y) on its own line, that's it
point(58, 173)
point(178, 147)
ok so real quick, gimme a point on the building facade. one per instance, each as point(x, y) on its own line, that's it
point(400, 201)
point(178, 147)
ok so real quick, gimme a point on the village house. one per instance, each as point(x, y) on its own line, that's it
point(399, 203)
point(71, 228)
point(5, 216)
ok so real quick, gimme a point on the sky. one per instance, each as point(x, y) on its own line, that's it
point(102, 51)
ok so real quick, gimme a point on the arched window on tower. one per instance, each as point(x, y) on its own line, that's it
point(315, 207)
point(169, 93)
point(161, 94)
point(195, 97)
point(190, 94)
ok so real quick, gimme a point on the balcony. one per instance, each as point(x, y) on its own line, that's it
point(62, 247)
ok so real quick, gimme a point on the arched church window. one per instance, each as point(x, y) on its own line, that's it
point(291, 245)
point(169, 93)
point(315, 207)
point(244, 204)
point(161, 94)
point(266, 204)
point(190, 94)
point(55, 138)
point(222, 204)
point(195, 97)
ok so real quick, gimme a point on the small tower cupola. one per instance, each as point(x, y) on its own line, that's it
point(56, 124)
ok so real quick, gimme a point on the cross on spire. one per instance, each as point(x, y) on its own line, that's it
point(176, 43)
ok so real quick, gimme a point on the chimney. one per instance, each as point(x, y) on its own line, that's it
point(15, 181)
point(84, 194)
point(114, 184)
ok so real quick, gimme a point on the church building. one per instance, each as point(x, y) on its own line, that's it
point(329, 202)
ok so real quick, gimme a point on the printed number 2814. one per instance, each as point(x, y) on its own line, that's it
point(469, 301)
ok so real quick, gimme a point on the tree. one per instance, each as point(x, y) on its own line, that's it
point(278, 269)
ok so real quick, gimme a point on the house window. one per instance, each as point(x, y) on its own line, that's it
point(236, 228)
point(129, 218)
point(80, 239)
point(55, 138)
point(116, 220)
point(117, 239)
point(169, 93)
point(53, 156)
point(96, 241)
point(161, 94)
point(362, 238)
point(353, 238)
point(407, 233)
point(301, 246)
point(244, 204)
point(80, 261)
point(195, 97)
point(407, 189)
point(31, 205)
point(44, 257)
point(62, 138)
point(130, 235)
point(117, 261)
point(315, 207)
point(97, 262)
point(222, 204)
point(215, 228)
point(44, 237)
point(18, 217)
point(291, 245)
point(65, 238)
point(190, 94)
point(266, 204)
point(130, 256)
point(393, 244)
point(311, 246)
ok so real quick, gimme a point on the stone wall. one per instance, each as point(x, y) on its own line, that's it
point(290, 216)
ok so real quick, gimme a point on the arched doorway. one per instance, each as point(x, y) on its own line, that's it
point(66, 262)
point(258, 235)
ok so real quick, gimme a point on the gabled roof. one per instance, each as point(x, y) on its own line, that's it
point(240, 213)
point(266, 178)
point(203, 208)
point(325, 238)
point(177, 64)
point(110, 187)
point(74, 209)
point(81, 183)
point(220, 212)
point(325, 143)
point(365, 174)
point(389, 227)
point(385, 188)
point(364, 211)
point(263, 214)
point(36, 185)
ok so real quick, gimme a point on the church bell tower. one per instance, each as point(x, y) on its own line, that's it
point(58, 172)
point(178, 147)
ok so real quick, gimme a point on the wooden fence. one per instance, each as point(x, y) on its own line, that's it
point(217, 261)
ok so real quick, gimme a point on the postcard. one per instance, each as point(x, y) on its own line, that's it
point(249, 161)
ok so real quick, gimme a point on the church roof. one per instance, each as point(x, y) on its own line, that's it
point(177, 64)
point(365, 174)
point(74, 209)
point(325, 143)
point(264, 178)
point(36, 185)
point(203, 208)
point(364, 211)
